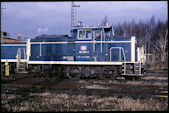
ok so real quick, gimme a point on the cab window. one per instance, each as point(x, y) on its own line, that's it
point(85, 34)
point(97, 35)
point(88, 34)
point(81, 34)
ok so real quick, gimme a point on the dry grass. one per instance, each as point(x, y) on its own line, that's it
point(63, 102)
point(139, 105)
point(96, 84)
point(155, 78)
point(142, 83)
point(81, 81)
point(95, 87)
point(158, 65)
point(99, 81)
point(78, 101)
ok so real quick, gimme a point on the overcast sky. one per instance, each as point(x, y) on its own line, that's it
point(35, 18)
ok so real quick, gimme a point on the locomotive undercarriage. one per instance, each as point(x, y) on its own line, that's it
point(77, 71)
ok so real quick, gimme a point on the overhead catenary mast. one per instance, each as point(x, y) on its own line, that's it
point(73, 15)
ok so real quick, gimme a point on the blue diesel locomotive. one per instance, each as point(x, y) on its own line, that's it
point(88, 52)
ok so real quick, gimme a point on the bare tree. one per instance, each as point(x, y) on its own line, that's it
point(152, 36)
point(161, 44)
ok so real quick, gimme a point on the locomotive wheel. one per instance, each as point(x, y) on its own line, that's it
point(85, 72)
point(35, 69)
point(73, 72)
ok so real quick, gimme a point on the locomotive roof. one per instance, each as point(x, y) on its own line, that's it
point(91, 27)
point(50, 36)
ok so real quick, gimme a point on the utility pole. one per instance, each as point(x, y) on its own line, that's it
point(73, 15)
point(1, 23)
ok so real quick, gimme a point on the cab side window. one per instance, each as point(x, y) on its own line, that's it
point(88, 34)
point(81, 34)
point(85, 34)
point(97, 35)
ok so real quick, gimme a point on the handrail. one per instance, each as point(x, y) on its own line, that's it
point(124, 54)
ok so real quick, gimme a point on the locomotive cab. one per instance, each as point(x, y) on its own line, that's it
point(100, 44)
point(93, 33)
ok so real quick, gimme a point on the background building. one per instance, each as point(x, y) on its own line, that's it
point(6, 38)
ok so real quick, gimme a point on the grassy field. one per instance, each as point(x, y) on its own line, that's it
point(39, 94)
point(63, 102)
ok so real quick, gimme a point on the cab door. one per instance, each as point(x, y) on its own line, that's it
point(117, 54)
point(98, 45)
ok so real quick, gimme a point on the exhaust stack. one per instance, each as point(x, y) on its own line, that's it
point(107, 24)
point(19, 37)
point(98, 24)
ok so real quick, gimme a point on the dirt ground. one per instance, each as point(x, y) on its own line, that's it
point(23, 92)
